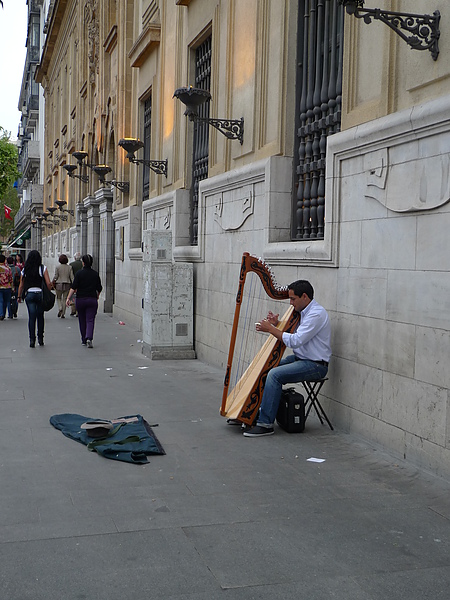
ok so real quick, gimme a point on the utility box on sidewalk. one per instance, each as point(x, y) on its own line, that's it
point(168, 307)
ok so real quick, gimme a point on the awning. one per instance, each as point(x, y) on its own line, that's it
point(20, 239)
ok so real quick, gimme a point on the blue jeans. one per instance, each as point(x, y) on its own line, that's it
point(290, 370)
point(5, 301)
point(35, 307)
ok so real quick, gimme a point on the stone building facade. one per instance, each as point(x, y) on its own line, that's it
point(341, 178)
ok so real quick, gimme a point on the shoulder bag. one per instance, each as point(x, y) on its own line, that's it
point(48, 297)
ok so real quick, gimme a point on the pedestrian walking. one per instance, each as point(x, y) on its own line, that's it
point(33, 275)
point(76, 266)
point(61, 282)
point(19, 262)
point(87, 286)
point(6, 280)
point(15, 271)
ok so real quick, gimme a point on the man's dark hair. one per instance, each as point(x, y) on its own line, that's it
point(300, 287)
point(2, 258)
point(10, 260)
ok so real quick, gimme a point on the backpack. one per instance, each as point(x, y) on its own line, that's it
point(16, 276)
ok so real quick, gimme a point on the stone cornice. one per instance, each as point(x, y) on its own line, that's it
point(50, 40)
point(111, 40)
point(144, 45)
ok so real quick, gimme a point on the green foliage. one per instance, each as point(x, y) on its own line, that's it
point(11, 199)
point(8, 163)
point(8, 175)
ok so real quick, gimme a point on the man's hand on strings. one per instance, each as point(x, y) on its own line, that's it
point(267, 324)
point(273, 319)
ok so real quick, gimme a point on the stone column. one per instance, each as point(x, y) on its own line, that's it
point(35, 241)
point(91, 205)
point(82, 227)
point(106, 267)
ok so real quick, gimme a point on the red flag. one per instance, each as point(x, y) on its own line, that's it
point(8, 212)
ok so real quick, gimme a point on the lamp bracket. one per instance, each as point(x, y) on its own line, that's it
point(83, 178)
point(123, 186)
point(233, 129)
point(158, 166)
point(422, 31)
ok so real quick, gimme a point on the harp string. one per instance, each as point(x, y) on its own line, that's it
point(249, 341)
point(252, 353)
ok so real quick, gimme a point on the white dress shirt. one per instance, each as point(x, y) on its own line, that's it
point(311, 340)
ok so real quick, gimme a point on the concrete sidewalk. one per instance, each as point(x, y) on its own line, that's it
point(220, 516)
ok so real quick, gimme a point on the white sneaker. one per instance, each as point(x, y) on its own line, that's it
point(89, 344)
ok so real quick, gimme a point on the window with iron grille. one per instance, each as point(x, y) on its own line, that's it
point(318, 113)
point(147, 143)
point(201, 132)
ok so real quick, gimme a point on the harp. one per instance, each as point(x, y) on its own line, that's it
point(246, 377)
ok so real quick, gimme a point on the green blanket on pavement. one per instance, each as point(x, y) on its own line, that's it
point(131, 440)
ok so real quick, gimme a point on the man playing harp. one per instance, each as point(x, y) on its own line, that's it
point(311, 353)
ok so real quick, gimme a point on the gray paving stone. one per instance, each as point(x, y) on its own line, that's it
point(220, 516)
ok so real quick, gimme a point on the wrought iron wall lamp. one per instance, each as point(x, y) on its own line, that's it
point(79, 157)
point(132, 145)
point(60, 204)
point(52, 210)
point(46, 222)
point(422, 30)
point(192, 98)
point(70, 172)
point(102, 170)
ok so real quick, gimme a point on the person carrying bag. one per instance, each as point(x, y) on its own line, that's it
point(61, 282)
point(34, 280)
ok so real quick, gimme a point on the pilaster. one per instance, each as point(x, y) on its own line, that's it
point(91, 205)
point(106, 267)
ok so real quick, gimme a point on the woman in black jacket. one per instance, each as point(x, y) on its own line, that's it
point(87, 286)
point(31, 286)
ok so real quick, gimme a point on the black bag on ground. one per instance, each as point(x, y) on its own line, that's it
point(291, 412)
point(48, 297)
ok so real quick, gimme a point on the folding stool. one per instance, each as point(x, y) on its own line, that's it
point(312, 389)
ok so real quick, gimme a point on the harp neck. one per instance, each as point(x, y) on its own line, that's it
point(264, 272)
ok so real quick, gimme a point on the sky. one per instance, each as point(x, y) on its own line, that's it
point(13, 36)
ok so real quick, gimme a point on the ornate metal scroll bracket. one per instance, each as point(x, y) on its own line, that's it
point(158, 166)
point(420, 32)
point(192, 98)
point(132, 145)
point(233, 129)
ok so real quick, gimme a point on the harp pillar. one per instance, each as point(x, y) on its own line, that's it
point(168, 303)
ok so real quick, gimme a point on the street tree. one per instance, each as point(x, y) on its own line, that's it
point(8, 175)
